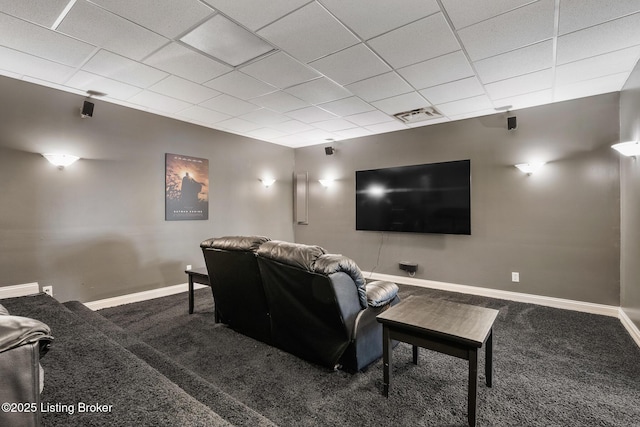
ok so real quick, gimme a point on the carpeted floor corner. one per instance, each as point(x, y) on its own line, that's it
point(552, 368)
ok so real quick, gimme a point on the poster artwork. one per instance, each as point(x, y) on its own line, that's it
point(186, 188)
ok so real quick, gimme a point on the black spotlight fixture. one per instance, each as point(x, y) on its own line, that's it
point(329, 150)
point(512, 123)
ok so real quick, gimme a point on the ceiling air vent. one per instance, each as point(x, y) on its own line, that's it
point(418, 115)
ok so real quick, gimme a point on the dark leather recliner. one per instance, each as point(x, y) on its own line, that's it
point(23, 341)
point(237, 285)
point(321, 307)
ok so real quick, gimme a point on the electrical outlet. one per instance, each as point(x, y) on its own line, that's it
point(48, 290)
point(188, 266)
point(515, 276)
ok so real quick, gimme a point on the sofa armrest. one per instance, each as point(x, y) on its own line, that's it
point(380, 293)
point(16, 331)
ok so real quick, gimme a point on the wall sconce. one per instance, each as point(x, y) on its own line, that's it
point(530, 168)
point(629, 148)
point(60, 160)
point(267, 182)
point(326, 183)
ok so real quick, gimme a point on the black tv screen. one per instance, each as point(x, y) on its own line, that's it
point(429, 198)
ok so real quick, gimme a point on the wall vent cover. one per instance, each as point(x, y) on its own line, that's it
point(418, 115)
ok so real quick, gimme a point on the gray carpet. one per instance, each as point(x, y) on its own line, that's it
point(552, 368)
point(84, 365)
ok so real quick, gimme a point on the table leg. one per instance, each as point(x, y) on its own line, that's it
point(190, 294)
point(386, 360)
point(415, 354)
point(488, 363)
point(473, 386)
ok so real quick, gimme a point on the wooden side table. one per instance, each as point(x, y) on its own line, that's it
point(455, 329)
point(201, 276)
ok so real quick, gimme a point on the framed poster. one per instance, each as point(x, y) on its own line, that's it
point(186, 188)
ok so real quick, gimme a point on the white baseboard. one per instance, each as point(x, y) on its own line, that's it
point(19, 290)
point(140, 296)
point(586, 307)
point(630, 326)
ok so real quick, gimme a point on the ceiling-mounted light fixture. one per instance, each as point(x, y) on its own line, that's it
point(530, 168)
point(267, 182)
point(629, 148)
point(60, 160)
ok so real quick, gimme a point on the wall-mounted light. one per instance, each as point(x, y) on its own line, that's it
point(629, 148)
point(530, 168)
point(326, 183)
point(267, 182)
point(60, 160)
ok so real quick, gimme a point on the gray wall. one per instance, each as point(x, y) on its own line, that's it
point(560, 228)
point(630, 200)
point(97, 228)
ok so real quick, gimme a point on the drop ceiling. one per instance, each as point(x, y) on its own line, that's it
point(299, 72)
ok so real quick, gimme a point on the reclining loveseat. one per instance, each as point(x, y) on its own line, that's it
point(297, 297)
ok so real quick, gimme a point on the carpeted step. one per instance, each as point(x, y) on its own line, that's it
point(204, 391)
point(85, 366)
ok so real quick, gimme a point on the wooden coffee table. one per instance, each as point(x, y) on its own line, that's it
point(447, 327)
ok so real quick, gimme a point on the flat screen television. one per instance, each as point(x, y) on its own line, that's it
point(429, 198)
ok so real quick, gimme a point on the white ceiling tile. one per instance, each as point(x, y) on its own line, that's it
point(280, 101)
point(350, 65)
point(421, 40)
point(369, 118)
point(444, 69)
point(613, 83)
point(227, 41)
point(264, 117)
point(318, 91)
point(266, 133)
point(369, 18)
point(401, 103)
point(347, 106)
point(183, 89)
point(473, 114)
point(23, 64)
point(517, 62)
point(186, 63)
point(598, 66)
point(379, 87)
point(578, 14)
point(317, 136)
point(467, 12)
point(353, 133)
point(291, 126)
point(114, 89)
point(527, 100)
point(238, 125)
point(230, 105)
point(521, 27)
point(477, 103)
point(532, 82)
point(155, 101)
point(309, 33)
point(447, 92)
point(203, 115)
point(169, 18)
point(334, 125)
point(255, 15)
point(311, 115)
point(38, 41)
point(293, 141)
point(40, 12)
point(387, 127)
point(116, 67)
point(280, 70)
point(88, 22)
point(613, 35)
point(240, 85)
